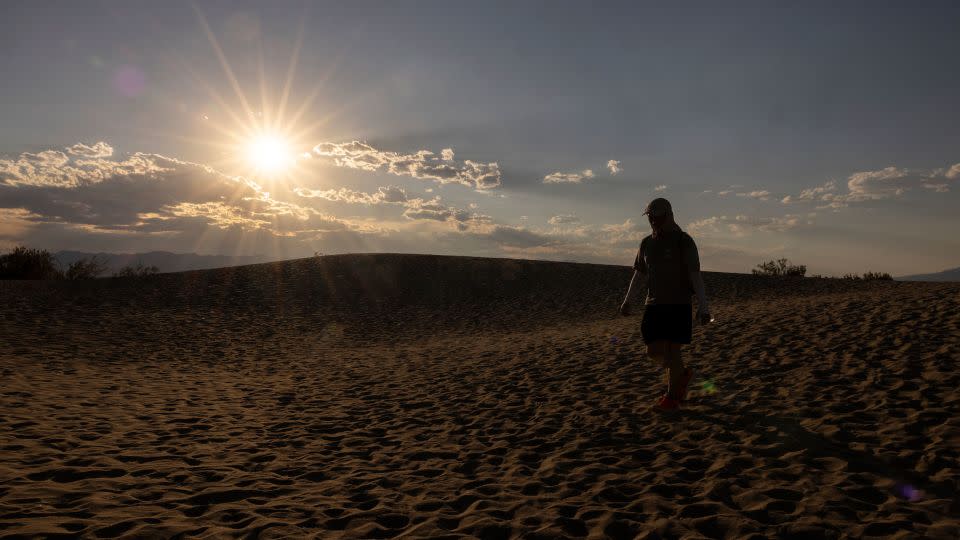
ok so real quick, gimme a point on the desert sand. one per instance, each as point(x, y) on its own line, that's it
point(384, 396)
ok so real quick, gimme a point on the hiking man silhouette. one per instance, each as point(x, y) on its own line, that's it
point(669, 260)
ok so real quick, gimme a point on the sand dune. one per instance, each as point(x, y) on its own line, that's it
point(382, 396)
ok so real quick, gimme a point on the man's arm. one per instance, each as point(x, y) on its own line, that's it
point(696, 279)
point(631, 291)
point(639, 269)
point(703, 308)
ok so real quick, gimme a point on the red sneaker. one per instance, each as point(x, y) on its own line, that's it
point(685, 384)
point(667, 403)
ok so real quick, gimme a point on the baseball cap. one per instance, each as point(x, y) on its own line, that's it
point(658, 207)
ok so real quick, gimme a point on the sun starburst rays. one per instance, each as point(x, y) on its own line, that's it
point(266, 145)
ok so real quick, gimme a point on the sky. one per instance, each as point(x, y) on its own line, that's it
point(822, 132)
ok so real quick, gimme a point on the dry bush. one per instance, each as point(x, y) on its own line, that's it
point(778, 268)
point(138, 271)
point(25, 263)
point(85, 268)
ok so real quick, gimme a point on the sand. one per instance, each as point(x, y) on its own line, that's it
point(383, 396)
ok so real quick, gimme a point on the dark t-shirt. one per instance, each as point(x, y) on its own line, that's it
point(667, 262)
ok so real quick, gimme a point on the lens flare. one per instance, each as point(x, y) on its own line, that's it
point(906, 491)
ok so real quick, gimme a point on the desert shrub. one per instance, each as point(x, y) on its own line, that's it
point(849, 276)
point(779, 267)
point(871, 276)
point(137, 271)
point(25, 263)
point(85, 268)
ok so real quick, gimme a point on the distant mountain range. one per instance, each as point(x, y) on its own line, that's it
point(952, 274)
point(163, 260)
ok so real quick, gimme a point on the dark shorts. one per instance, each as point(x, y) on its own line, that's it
point(670, 322)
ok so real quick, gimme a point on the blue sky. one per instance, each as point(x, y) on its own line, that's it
point(824, 133)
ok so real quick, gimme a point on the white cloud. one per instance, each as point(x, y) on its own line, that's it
point(98, 150)
point(887, 183)
point(434, 210)
point(563, 219)
point(422, 164)
point(567, 178)
point(778, 224)
point(816, 192)
point(661, 187)
point(614, 167)
point(763, 195)
point(741, 224)
point(629, 232)
point(384, 195)
point(414, 208)
point(954, 172)
point(880, 184)
point(80, 165)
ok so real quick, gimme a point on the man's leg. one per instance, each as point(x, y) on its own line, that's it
point(675, 369)
point(657, 351)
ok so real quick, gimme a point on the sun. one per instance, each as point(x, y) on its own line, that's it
point(270, 153)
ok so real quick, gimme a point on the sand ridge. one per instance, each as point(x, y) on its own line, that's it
point(388, 396)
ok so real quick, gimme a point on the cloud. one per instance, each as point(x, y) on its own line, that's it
point(13, 223)
point(880, 184)
point(434, 210)
point(816, 192)
point(762, 195)
point(741, 224)
point(563, 219)
point(423, 164)
point(705, 226)
point(567, 178)
point(98, 150)
point(661, 187)
point(383, 195)
point(517, 237)
point(627, 233)
point(80, 165)
point(414, 208)
point(145, 194)
point(953, 173)
point(614, 167)
point(724, 193)
point(777, 224)
point(886, 183)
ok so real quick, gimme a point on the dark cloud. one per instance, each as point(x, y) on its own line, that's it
point(518, 237)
